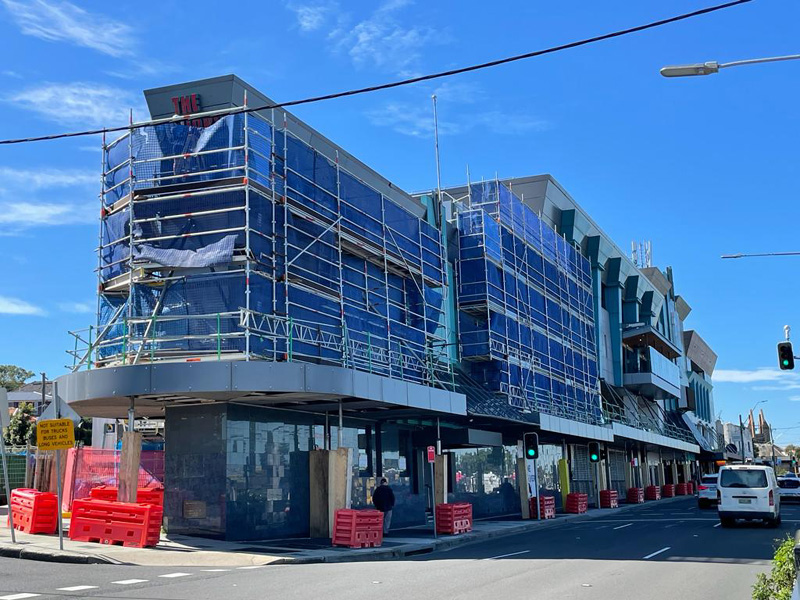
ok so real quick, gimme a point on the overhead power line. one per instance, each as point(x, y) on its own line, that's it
point(402, 82)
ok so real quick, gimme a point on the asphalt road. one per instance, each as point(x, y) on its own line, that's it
point(669, 551)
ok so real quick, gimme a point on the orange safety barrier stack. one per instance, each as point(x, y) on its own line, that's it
point(681, 490)
point(547, 507)
point(34, 511)
point(652, 492)
point(454, 518)
point(154, 495)
point(609, 499)
point(635, 495)
point(118, 523)
point(668, 491)
point(577, 503)
point(357, 528)
point(690, 488)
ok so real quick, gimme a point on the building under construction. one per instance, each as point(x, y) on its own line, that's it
point(270, 296)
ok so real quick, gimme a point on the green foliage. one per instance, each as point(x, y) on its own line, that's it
point(20, 426)
point(779, 583)
point(13, 377)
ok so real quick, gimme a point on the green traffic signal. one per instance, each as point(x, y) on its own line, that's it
point(531, 452)
point(594, 458)
point(594, 452)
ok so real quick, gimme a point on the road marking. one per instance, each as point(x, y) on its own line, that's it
point(18, 596)
point(656, 553)
point(624, 526)
point(507, 555)
point(252, 567)
point(125, 582)
point(718, 524)
point(77, 588)
point(171, 575)
point(215, 570)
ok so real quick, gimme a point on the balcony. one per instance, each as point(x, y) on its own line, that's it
point(651, 374)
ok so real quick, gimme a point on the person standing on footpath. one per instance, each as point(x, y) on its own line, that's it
point(383, 499)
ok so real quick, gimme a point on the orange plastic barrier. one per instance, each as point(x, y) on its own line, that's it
point(635, 495)
point(652, 492)
point(108, 493)
point(454, 518)
point(681, 489)
point(668, 491)
point(357, 528)
point(118, 523)
point(577, 503)
point(34, 511)
point(609, 499)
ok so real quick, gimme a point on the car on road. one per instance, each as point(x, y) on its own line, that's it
point(707, 490)
point(789, 487)
point(748, 492)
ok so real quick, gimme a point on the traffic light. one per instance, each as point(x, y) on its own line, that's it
point(594, 452)
point(531, 443)
point(785, 356)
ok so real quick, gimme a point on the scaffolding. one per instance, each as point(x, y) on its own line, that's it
point(526, 321)
point(240, 240)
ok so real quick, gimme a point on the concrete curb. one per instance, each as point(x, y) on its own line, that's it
point(26, 551)
point(52, 555)
point(447, 542)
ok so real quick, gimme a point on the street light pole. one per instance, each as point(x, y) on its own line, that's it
point(707, 68)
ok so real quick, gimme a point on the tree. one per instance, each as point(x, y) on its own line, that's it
point(19, 427)
point(13, 377)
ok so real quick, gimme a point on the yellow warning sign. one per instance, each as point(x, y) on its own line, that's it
point(55, 434)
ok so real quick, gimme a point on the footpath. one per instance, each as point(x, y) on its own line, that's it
point(186, 551)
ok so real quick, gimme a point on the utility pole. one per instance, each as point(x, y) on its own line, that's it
point(741, 434)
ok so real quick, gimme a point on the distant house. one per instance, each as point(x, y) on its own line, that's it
point(31, 393)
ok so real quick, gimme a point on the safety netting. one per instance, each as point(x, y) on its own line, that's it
point(242, 237)
point(526, 308)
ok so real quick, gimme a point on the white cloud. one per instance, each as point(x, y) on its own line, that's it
point(794, 398)
point(67, 22)
point(46, 178)
point(77, 307)
point(15, 306)
point(17, 214)
point(383, 41)
point(312, 16)
point(753, 376)
point(410, 119)
point(85, 104)
point(10, 73)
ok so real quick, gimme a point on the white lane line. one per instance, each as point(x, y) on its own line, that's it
point(252, 567)
point(718, 524)
point(507, 555)
point(624, 526)
point(215, 570)
point(656, 553)
point(171, 575)
point(18, 596)
point(126, 582)
point(77, 588)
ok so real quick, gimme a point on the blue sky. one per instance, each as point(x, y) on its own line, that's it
point(699, 166)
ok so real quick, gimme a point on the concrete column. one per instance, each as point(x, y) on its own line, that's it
point(522, 481)
point(440, 474)
point(661, 478)
point(330, 483)
point(614, 289)
point(674, 467)
point(563, 478)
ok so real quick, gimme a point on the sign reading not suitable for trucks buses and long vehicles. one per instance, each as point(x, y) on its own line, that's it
point(55, 434)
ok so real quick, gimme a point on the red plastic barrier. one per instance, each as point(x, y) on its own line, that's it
point(119, 523)
point(635, 495)
point(668, 491)
point(577, 503)
point(34, 511)
point(652, 492)
point(681, 489)
point(690, 488)
point(154, 495)
point(454, 518)
point(547, 507)
point(609, 499)
point(357, 528)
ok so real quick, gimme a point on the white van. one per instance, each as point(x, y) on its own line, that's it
point(748, 492)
